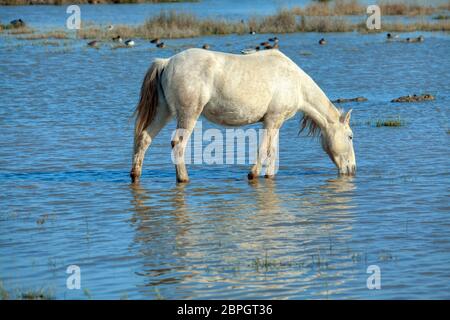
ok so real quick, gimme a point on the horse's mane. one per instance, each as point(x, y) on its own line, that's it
point(310, 125)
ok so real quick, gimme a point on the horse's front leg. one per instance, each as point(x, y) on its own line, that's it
point(268, 151)
point(260, 158)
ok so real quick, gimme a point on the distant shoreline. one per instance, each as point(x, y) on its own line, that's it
point(172, 24)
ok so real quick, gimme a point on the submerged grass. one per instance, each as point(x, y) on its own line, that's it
point(4, 295)
point(36, 295)
point(389, 123)
point(18, 31)
point(28, 294)
point(55, 34)
point(396, 122)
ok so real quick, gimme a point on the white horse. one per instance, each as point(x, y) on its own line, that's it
point(236, 90)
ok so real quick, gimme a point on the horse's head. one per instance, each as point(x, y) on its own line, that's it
point(337, 141)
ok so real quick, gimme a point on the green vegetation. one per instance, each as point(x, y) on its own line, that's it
point(389, 123)
point(442, 17)
point(29, 294)
point(87, 293)
point(380, 123)
point(4, 295)
point(36, 295)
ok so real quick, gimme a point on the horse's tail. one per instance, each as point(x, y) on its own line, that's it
point(148, 102)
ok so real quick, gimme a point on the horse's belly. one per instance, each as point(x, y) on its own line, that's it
point(233, 113)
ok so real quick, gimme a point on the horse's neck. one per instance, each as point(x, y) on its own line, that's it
point(316, 104)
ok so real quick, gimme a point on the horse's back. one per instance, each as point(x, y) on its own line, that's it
point(231, 89)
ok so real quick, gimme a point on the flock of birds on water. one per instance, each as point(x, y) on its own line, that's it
point(272, 43)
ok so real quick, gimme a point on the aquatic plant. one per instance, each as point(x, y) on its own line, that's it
point(4, 295)
point(40, 294)
point(389, 123)
point(55, 34)
point(442, 17)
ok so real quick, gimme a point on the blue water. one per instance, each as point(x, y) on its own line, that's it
point(66, 138)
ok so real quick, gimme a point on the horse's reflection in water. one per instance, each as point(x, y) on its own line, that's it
point(161, 221)
point(190, 236)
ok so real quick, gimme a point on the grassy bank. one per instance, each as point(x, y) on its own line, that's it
point(353, 7)
point(173, 24)
point(182, 25)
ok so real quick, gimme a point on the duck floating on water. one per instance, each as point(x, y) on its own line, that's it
point(274, 39)
point(17, 23)
point(250, 50)
point(93, 43)
point(274, 46)
point(391, 36)
point(322, 41)
point(117, 39)
point(129, 43)
point(161, 45)
point(156, 40)
point(205, 46)
point(418, 39)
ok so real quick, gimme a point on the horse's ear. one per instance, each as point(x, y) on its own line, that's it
point(345, 118)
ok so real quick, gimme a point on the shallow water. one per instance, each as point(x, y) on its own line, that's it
point(66, 199)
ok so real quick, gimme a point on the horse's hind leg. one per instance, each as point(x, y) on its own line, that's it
point(142, 142)
point(185, 126)
point(272, 152)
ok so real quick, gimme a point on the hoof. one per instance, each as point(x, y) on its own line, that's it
point(252, 176)
point(134, 177)
point(269, 176)
point(182, 180)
